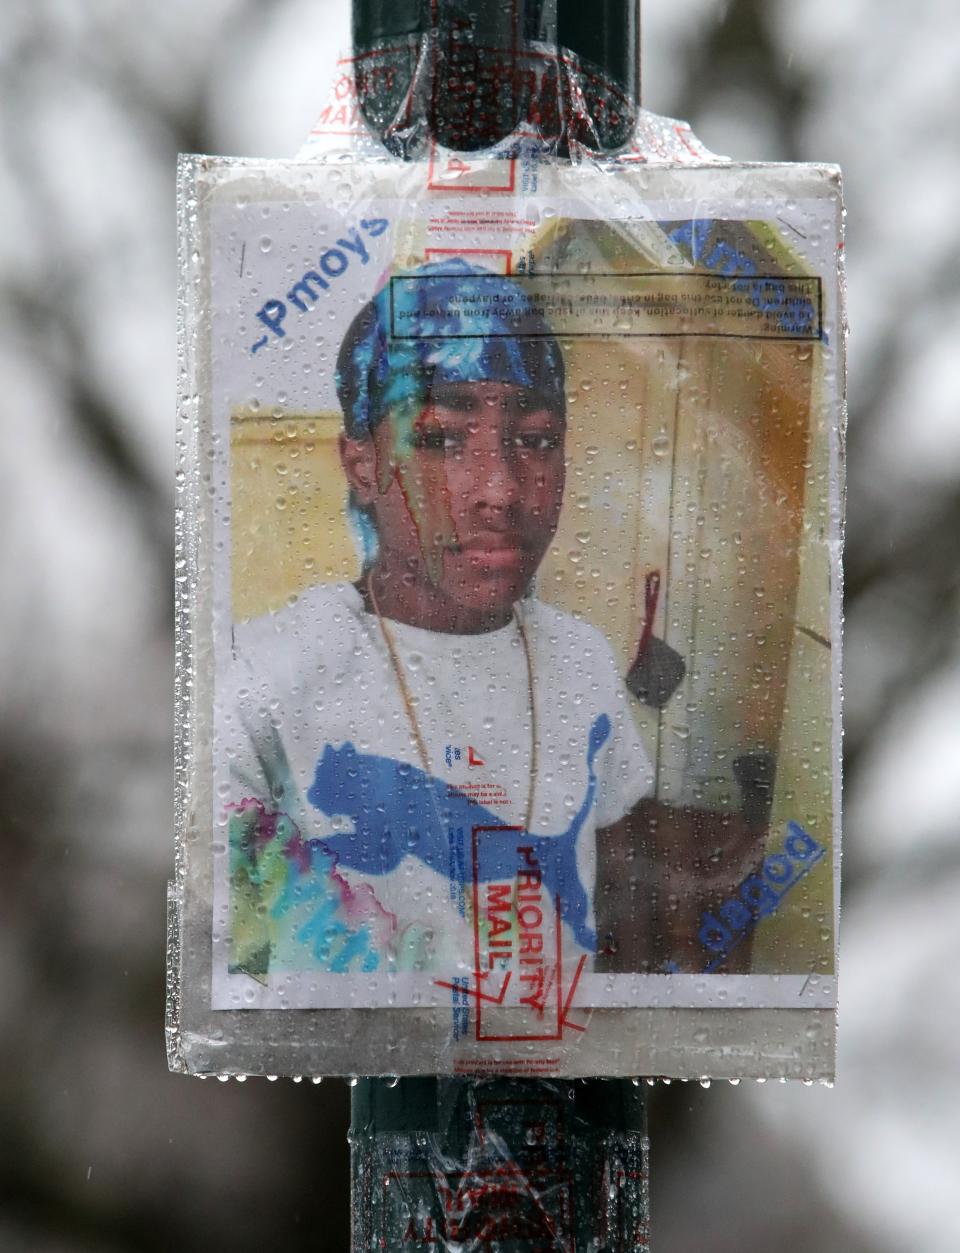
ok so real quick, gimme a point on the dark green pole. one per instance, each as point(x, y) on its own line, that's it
point(513, 1165)
point(468, 73)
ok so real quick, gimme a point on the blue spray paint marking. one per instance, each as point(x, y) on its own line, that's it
point(398, 811)
point(332, 263)
point(759, 895)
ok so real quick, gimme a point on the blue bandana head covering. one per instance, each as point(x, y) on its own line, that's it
point(445, 322)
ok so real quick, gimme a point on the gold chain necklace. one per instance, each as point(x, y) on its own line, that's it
point(410, 705)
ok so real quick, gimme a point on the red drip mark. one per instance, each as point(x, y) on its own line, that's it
point(297, 851)
point(267, 820)
point(360, 905)
point(564, 1020)
point(651, 596)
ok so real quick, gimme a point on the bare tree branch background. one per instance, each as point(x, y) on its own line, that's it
point(101, 1149)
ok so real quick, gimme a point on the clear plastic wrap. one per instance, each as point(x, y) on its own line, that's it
point(509, 527)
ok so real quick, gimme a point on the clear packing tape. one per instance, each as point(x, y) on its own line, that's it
point(563, 798)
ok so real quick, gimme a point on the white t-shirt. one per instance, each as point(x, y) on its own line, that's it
point(314, 724)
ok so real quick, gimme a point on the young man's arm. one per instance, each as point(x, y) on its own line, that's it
point(659, 869)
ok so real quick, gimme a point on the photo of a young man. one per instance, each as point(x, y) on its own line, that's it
point(372, 725)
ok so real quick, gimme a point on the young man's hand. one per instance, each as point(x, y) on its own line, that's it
point(658, 870)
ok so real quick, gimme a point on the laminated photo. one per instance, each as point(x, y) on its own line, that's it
point(511, 527)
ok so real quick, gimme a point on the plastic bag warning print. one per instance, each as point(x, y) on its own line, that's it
point(509, 531)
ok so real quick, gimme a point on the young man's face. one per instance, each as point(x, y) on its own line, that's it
point(472, 506)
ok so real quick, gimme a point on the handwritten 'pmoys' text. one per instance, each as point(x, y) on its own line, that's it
point(332, 263)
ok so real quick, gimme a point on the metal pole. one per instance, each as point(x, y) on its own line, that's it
point(467, 73)
point(519, 1165)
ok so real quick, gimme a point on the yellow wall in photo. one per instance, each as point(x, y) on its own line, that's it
point(288, 526)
